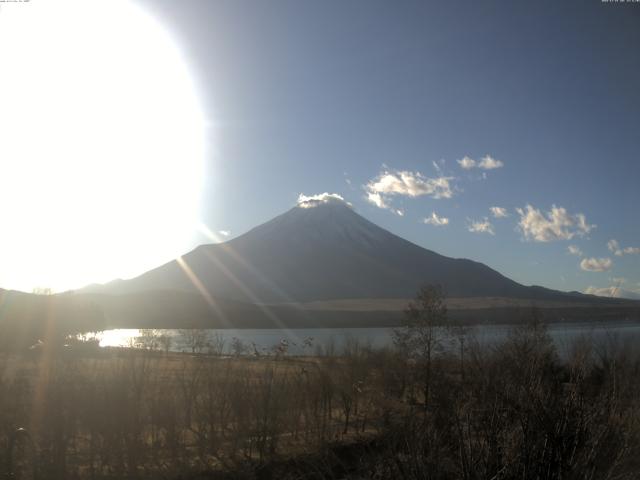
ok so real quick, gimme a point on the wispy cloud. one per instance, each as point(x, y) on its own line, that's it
point(614, 247)
point(379, 201)
point(557, 224)
point(439, 165)
point(409, 184)
point(574, 250)
point(481, 226)
point(499, 212)
point(224, 233)
point(347, 180)
point(486, 163)
point(596, 264)
point(436, 220)
point(311, 201)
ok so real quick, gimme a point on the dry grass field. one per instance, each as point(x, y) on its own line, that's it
point(89, 413)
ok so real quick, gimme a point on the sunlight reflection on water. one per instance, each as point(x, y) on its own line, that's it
point(118, 337)
point(308, 340)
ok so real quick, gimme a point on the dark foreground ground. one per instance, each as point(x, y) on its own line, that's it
point(513, 411)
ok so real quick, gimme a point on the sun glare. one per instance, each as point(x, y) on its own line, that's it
point(101, 144)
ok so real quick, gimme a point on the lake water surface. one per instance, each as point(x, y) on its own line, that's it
point(309, 341)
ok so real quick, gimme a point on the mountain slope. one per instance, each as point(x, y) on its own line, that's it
point(26, 318)
point(322, 250)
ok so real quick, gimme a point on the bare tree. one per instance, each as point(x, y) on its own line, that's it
point(148, 339)
point(238, 347)
point(421, 336)
point(217, 344)
point(194, 338)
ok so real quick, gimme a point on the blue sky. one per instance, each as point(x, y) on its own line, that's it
point(312, 97)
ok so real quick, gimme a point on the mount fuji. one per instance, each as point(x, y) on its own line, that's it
point(322, 250)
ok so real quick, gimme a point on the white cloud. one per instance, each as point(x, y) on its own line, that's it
point(411, 184)
point(615, 248)
point(486, 163)
point(481, 226)
point(601, 291)
point(558, 224)
point(574, 250)
point(490, 163)
point(596, 264)
point(224, 233)
point(499, 212)
point(405, 183)
point(613, 292)
point(434, 219)
point(377, 200)
point(467, 163)
point(311, 201)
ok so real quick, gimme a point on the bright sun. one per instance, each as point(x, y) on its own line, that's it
point(101, 144)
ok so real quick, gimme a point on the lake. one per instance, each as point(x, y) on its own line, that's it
point(310, 341)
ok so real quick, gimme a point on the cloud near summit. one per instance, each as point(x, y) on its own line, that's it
point(311, 201)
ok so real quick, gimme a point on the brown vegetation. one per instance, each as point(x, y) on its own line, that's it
point(416, 411)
